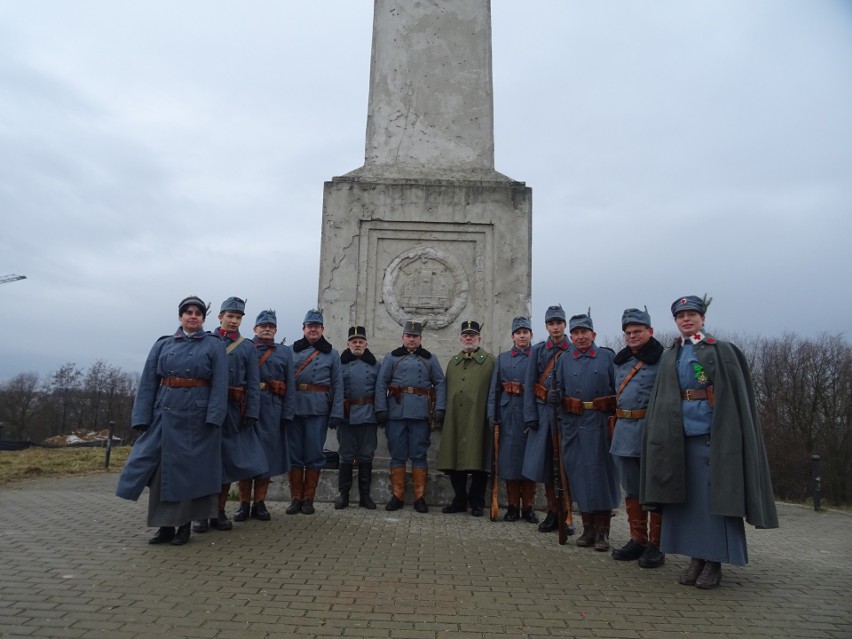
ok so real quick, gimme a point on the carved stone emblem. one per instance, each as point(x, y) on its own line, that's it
point(425, 284)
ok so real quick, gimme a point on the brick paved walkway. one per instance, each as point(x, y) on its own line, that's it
point(74, 562)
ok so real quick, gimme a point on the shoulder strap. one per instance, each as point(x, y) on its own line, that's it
point(630, 375)
point(265, 356)
point(236, 343)
point(304, 364)
point(550, 366)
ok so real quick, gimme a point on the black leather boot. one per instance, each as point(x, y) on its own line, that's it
point(259, 511)
point(365, 479)
point(163, 536)
point(344, 485)
point(549, 524)
point(242, 513)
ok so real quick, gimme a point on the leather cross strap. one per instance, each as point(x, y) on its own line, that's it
point(265, 356)
point(184, 382)
point(540, 388)
point(234, 344)
point(629, 376)
point(304, 364)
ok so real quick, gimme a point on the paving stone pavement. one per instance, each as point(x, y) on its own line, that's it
point(75, 562)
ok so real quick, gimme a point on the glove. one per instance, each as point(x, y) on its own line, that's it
point(531, 425)
point(248, 422)
point(381, 416)
point(554, 397)
point(439, 417)
point(334, 422)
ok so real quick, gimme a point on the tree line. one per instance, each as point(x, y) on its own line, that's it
point(803, 388)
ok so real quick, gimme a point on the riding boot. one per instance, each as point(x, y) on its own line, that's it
point(365, 479)
point(636, 520)
point(602, 521)
point(312, 476)
point(458, 480)
point(418, 479)
point(297, 488)
point(344, 485)
point(589, 533)
point(397, 481)
point(652, 557)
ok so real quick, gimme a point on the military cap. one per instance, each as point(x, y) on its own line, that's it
point(580, 321)
point(192, 300)
point(635, 316)
point(266, 317)
point(688, 303)
point(413, 328)
point(470, 326)
point(233, 305)
point(357, 331)
point(554, 313)
point(521, 322)
point(313, 316)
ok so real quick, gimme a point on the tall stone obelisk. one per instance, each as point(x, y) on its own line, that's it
point(427, 229)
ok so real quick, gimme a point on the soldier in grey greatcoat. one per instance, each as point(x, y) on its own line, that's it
point(357, 435)
point(242, 452)
point(507, 392)
point(277, 407)
point(636, 368)
point(538, 455)
point(179, 407)
point(409, 387)
point(586, 385)
point(319, 406)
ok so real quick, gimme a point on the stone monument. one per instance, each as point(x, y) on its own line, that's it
point(427, 229)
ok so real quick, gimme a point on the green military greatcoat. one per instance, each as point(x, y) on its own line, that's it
point(466, 437)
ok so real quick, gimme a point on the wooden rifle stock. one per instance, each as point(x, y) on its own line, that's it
point(495, 509)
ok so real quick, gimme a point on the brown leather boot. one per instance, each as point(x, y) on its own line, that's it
point(602, 521)
point(589, 533)
point(528, 501)
point(297, 489)
point(312, 476)
point(636, 520)
point(418, 479)
point(691, 573)
point(397, 481)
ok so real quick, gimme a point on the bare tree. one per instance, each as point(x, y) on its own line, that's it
point(19, 401)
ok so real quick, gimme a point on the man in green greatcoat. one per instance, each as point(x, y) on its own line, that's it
point(466, 438)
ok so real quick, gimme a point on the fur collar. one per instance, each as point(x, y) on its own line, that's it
point(303, 344)
point(367, 357)
point(420, 352)
point(650, 353)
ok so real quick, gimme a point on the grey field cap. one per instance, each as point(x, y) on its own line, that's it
point(580, 321)
point(413, 328)
point(688, 303)
point(266, 317)
point(313, 316)
point(635, 316)
point(521, 322)
point(233, 305)
point(192, 300)
point(554, 312)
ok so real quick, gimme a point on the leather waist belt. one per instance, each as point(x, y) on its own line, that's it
point(236, 394)
point(513, 388)
point(274, 386)
point(313, 387)
point(358, 401)
point(184, 382)
point(694, 394)
point(635, 413)
point(395, 390)
point(578, 406)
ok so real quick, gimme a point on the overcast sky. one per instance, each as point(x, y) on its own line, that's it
point(149, 150)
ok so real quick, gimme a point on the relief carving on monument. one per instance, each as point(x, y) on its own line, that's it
point(427, 284)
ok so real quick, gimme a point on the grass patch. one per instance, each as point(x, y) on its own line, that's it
point(34, 462)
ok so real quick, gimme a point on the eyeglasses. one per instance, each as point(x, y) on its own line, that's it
point(638, 331)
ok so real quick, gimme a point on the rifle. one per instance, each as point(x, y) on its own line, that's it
point(564, 516)
point(495, 453)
